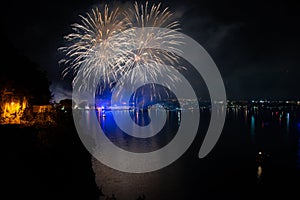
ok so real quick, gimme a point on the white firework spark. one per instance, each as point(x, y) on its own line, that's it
point(104, 46)
point(149, 59)
point(93, 49)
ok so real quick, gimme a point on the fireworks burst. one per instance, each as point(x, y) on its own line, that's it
point(147, 62)
point(104, 46)
point(93, 49)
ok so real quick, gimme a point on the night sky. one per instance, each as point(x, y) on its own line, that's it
point(255, 45)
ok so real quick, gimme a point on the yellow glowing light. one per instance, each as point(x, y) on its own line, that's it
point(13, 111)
point(259, 171)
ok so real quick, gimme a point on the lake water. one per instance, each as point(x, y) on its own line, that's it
point(232, 170)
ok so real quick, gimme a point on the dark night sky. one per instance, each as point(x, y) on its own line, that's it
point(255, 45)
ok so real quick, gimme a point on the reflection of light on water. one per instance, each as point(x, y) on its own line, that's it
point(125, 186)
point(259, 173)
point(87, 117)
point(128, 186)
point(280, 118)
point(252, 127)
point(246, 116)
point(287, 122)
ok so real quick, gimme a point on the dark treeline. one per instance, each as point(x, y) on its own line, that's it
point(20, 74)
point(39, 162)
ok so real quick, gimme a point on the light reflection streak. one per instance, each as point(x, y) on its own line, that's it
point(287, 122)
point(252, 128)
point(246, 116)
point(259, 173)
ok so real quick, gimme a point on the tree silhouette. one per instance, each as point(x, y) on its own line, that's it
point(22, 76)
